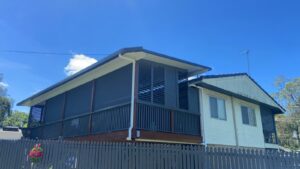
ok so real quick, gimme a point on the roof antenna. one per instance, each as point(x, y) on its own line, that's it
point(247, 52)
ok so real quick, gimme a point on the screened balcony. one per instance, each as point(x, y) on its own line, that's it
point(164, 105)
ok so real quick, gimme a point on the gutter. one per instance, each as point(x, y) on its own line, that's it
point(129, 137)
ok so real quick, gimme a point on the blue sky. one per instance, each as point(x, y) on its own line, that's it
point(208, 32)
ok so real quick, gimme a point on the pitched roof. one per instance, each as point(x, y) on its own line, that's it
point(149, 55)
point(238, 87)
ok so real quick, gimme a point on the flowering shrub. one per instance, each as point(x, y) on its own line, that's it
point(36, 153)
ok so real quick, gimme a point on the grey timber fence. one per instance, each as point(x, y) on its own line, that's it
point(121, 155)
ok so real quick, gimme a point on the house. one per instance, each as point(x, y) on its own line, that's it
point(140, 95)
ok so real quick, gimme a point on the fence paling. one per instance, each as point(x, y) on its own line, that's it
point(108, 155)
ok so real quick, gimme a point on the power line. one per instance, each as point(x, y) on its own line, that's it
point(46, 53)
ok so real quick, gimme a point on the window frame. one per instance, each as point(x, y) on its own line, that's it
point(248, 114)
point(210, 108)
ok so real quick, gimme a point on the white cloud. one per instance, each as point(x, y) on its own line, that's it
point(77, 63)
point(3, 88)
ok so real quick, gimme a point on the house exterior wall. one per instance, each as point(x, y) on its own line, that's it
point(242, 85)
point(248, 136)
point(217, 132)
point(226, 132)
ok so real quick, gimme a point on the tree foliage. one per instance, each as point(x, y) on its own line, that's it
point(5, 108)
point(17, 118)
point(3, 86)
point(288, 126)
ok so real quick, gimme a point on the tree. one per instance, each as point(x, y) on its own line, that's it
point(288, 126)
point(17, 118)
point(5, 102)
point(3, 86)
point(5, 108)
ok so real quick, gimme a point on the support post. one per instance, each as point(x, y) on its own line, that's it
point(92, 106)
point(63, 114)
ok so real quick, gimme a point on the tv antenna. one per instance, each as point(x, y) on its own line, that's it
point(247, 52)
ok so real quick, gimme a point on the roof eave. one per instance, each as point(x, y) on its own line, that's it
point(104, 61)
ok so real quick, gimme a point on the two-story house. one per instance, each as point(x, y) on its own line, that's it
point(140, 95)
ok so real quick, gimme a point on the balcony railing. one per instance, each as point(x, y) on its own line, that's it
point(149, 117)
point(114, 118)
point(158, 118)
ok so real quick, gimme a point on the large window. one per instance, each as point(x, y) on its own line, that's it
point(158, 87)
point(217, 108)
point(248, 116)
point(183, 90)
point(151, 83)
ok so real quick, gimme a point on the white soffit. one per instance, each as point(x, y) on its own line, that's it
point(192, 69)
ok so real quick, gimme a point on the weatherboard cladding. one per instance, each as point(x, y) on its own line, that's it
point(241, 85)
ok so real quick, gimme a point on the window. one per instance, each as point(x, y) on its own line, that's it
point(183, 90)
point(158, 85)
point(151, 83)
point(36, 116)
point(145, 81)
point(248, 116)
point(217, 108)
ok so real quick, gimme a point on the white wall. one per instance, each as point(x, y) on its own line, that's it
point(248, 136)
point(222, 132)
point(217, 131)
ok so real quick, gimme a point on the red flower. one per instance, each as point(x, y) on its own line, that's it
point(36, 153)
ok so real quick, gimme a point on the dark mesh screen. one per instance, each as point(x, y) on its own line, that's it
point(54, 106)
point(113, 88)
point(76, 127)
point(183, 90)
point(78, 100)
point(36, 133)
point(52, 131)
